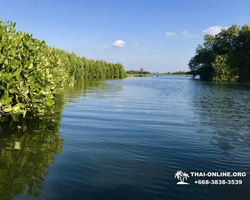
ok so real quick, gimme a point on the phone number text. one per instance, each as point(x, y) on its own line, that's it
point(218, 182)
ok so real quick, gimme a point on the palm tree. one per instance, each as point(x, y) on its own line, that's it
point(179, 175)
point(185, 176)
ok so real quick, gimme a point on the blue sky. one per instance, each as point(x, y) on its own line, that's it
point(158, 35)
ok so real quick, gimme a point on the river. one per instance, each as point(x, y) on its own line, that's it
point(124, 139)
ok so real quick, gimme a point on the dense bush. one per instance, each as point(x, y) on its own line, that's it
point(32, 73)
point(224, 57)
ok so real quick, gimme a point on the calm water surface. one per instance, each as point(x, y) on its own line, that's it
point(126, 139)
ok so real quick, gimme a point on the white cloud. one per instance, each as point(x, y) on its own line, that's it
point(136, 44)
point(119, 43)
point(187, 34)
point(104, 45)
point(170, 34)
point(213, 30)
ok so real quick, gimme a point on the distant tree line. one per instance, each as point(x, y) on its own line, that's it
point(141, 71)
point(177, 73)
point(224, 57)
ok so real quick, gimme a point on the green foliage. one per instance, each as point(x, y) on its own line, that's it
point(138, 72)
point(222, 71)
point(137, 75)
point(32, 73)
point(27, 147)
point(177, 73)
point(225, 57)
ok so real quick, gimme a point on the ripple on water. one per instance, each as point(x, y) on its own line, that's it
point(127, 139)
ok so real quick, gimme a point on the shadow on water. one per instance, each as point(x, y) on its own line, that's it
point(224, 108)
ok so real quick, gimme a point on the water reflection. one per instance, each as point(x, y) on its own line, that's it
point(224, 109)
point(27, 148)
point(97, 88)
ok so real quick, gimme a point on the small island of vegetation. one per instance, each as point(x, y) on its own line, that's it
point(137, 73)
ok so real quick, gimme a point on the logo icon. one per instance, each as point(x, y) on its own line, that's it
point(181, 176)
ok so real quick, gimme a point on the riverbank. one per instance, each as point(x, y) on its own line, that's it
point(32, 74)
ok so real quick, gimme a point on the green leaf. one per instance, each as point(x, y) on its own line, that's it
point(11, 52)
point(2, 86)
point(15, 117)
point(17, 73)
point(13, 90)
point(40, 110)
point(2, 103)
point(43, 92)
point(2, 59)
point(50, 102)
point(21, 84)
point(31, 78)
point(5, 98)
point(24, 112)
point(47, 64)
point(17, 100)
point(29, 64)
point(30, 67)
point(17, 108)
point(7, 108)
point(13, 62)
point(8, 76)
point(50, 76)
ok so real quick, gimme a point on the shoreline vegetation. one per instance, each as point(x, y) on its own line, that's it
point(32, 74)
point(142, 73)
point(137, 75)
point(224, 57)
